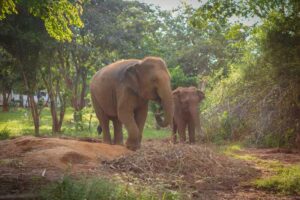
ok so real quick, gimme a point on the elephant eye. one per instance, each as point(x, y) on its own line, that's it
point(154, 79)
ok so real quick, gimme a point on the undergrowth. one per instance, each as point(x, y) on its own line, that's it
point(99, 189)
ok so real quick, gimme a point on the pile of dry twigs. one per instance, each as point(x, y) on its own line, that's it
point(181, 166)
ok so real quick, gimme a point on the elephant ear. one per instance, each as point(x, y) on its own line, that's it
point(177, 94)
point(131, 78)
point(200, 94)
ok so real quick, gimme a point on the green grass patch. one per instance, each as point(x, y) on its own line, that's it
point(99, 189)
point(232, 151)
point(286, 181)
point(156, 134)
point(19, 122)
point(235, 151)
point(5, 133)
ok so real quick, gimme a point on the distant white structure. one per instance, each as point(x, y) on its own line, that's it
point(24, 98)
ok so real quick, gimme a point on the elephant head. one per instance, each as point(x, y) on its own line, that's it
point(188, 99)
point(150, 79)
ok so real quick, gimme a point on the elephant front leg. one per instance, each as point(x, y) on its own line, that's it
point(140, 118)
point(181, 131)
point(174, 131)
point(191, 130)
point(133, 140)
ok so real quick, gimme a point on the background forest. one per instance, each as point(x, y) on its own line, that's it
point(244, 54)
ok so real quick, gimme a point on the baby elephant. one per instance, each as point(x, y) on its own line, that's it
point(186, 114)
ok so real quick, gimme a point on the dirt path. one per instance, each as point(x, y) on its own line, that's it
point(27, 163)
point(255, 157)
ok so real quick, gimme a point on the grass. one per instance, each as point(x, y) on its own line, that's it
point(231, 150)
point(4, 133)
point(285, 181)
point(286, 178)
point(19, 122)
point(98, 189)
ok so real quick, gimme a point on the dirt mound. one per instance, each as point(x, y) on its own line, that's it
point(189, 168)
point(59, 153)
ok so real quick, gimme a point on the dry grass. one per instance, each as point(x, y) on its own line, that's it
point(187, 168)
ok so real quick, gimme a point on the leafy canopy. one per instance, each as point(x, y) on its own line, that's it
point(58, 15)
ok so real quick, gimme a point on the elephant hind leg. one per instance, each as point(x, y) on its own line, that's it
point(103, 121)
point(105, 127)
point(118, 135)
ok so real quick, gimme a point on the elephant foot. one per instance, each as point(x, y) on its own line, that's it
point(174, 139)
point(192, 141)
point(119, 143)
point(181, 143)
point(202, 139)
point(106, 141)
point(133, 146)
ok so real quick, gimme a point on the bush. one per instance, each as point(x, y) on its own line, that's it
point(5, 133)
point(252, 105)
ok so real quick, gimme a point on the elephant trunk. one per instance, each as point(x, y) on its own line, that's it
point(168, 106)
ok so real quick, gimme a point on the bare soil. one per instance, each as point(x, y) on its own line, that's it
point(27, 163)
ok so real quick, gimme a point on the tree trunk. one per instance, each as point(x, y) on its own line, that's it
point(5, 106)
point(55, 128)
point(33, 107)
point(21, 101)
point(35, 115)
point(56, 121)
point(62, 109)
point(83, 90)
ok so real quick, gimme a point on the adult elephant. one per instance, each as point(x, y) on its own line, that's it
point(186, 114)
point(120, 92)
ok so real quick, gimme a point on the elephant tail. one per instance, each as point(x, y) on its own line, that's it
point(97, 111)
point(99, 129)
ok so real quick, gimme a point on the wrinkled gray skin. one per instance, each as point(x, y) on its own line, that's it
point(186, 114)
point(120, 93)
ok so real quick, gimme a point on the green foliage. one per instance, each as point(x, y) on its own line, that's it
point(98, 189)
point(66, 189)
point(257, 91)
point(58, 15)
point(180, 79)
point(7, 7)
point(5, 133)
point(286, 181)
